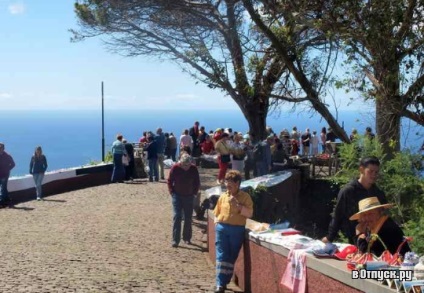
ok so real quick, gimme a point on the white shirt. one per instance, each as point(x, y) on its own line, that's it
point(314, 141)
point(186, 140)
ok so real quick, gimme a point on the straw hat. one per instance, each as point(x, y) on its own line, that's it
point(368, 204)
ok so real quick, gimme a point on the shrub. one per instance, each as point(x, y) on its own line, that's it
point(399, 179)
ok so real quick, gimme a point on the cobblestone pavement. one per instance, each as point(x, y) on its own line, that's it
point(110, 238)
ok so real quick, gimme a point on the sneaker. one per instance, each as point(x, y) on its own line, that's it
point(188, 242)
point(151, 179)
point(162, 178)
point(220, 289)
point(38, 198)
point(174, 244)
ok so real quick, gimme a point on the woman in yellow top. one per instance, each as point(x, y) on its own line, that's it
point(231, 211)
point(223, 148)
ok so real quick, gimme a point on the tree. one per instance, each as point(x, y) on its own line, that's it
point(383, 44)
point(216, 43)
point(306, 51)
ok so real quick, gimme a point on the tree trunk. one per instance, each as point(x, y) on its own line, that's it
point(255, 111)
point(257, 125)
point(388, 106)
point(335, 126)
point(388, 127)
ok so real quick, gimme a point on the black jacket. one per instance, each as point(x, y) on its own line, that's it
point(130, 150)
point(38, 164)
point(152, 150)
point(347, 205)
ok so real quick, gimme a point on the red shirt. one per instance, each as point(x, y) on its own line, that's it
point(182, 182)
point(207, 147)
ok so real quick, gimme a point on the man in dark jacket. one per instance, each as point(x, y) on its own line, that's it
point(6, 164)
point(129, 169)
point(349, 197)
point(161, 145)
point(152, 156)
point(194, 133)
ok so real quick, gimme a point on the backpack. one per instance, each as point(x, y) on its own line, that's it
point(258, 151)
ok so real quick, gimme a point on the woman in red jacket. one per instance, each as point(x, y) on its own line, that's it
point(207, 146)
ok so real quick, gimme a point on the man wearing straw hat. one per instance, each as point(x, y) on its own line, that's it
point(372, 219)
point(349, 197)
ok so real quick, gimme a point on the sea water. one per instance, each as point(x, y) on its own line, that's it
point(74, 138)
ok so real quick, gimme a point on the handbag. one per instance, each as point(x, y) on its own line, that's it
point(125, 160)
point(225, 158)
point(394, 259)
point(361, 258)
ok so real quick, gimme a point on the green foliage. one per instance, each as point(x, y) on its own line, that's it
point(399, 179)
point(342, 238)
point(256, 198)
point(108, 159)
point(265, 206)
point(350, 155)
point(416, 230)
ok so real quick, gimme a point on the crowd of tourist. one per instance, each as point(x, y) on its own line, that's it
point(244, 152)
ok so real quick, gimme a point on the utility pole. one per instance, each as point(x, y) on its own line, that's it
point(103, 125)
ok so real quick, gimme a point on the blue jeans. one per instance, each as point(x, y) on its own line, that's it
point(182, 204)
point(38, 180)
point(153, 169)
point(228, 242)
point(174, 154)
point(118, 173)
point(4, 194)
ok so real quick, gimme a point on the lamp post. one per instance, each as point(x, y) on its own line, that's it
point(103, 125)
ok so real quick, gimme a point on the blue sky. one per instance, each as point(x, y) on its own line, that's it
point(42, 69)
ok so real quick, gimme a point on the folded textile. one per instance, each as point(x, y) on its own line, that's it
point(346, 252)
point(327, 252)
point(296, 241)
point(331, 250)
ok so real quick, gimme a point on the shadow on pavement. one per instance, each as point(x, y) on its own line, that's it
point(20, 208)
point(55, 200)
point(135, 182)
point(193, 246)
point(200, 225)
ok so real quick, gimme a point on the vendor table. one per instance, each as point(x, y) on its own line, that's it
point(324, 166)
point(260, 266)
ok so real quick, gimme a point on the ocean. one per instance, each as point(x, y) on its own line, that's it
point(73, 138)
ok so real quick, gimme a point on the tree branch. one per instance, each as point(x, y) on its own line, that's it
point(413, 89)
point(407, 21)
point(416, 117)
